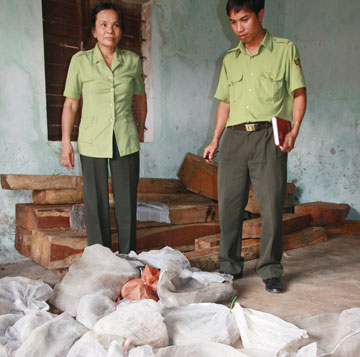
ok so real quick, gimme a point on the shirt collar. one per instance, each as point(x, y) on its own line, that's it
point(117, 60)
point(267, 42)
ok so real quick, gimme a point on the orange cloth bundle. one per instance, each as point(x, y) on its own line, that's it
point(144, 287)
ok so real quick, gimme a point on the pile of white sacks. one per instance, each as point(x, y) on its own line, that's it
point(188, 320)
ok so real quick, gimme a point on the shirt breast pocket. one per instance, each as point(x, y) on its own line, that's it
point(271, 86)
point(235, 87)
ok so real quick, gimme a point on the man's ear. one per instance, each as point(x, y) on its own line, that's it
point(261, 15)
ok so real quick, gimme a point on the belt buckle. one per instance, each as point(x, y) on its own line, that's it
point(250, 127)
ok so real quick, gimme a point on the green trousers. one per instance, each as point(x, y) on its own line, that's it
point(125, 179)
point(251, 157)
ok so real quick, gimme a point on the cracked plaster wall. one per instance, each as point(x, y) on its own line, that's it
point(326, 162)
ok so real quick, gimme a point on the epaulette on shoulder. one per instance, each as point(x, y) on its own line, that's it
point(281, 40)
point(82, 53)
point(232, 50)
point(129, 53)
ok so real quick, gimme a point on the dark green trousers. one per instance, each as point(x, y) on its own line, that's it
point(251, 157)
point(125, 179)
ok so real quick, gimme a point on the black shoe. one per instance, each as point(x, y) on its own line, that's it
point(273, 285)
point(235, 276)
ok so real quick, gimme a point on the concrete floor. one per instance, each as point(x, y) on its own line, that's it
point(318, 279)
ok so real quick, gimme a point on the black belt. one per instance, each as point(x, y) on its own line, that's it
point(252, 126)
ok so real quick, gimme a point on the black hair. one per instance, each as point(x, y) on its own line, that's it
point(107, 6)
point(238, 5)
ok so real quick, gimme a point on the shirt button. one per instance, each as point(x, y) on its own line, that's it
point(248, 107)
point(250, 89)
point(251, 74)
point(110, 77)
point(112, 89)
point(111, 104)
point(112, 120)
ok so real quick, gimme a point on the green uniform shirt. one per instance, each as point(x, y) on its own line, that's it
point(107, 97)
point(260, 86)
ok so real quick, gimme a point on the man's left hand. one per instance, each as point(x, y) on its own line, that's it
point(289, 141)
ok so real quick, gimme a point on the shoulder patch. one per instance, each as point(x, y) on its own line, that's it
point(297, 62)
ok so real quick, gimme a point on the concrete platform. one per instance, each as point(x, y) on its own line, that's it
point(318, 279)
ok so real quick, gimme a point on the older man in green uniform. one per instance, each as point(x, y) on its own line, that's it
point(261, 78)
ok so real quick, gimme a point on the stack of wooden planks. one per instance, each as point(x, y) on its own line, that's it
point(52, 230)
point(309, 225)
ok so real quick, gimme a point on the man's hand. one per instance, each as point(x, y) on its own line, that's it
point(210, 151)
point(289, 141)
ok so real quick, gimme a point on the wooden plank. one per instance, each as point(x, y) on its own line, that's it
point(199, 176)
point(62, 196)
point(179, 198)
point(207, 242)
point(159, 237)
point(55, 249)
point(252, 229)
point(253, 207)
point(23, 239)
point(159, 185)
point(291, 223)
point(31, 216)
point(348, 227)
point(304, 237)
point(208, 259)
point(39, 182)
point(179, 214)
point(323, 213)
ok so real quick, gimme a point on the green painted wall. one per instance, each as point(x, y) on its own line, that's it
point(190, 38)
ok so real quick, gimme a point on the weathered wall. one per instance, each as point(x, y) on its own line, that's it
point(326, 162)
point(189, 40)
point(24, 148)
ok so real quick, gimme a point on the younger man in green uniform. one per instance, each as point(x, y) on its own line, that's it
point(261, 78)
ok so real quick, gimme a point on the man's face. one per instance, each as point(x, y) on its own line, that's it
point(247, 25)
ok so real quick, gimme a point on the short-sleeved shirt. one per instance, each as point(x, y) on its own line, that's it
point(260, 85)
point(107, 98)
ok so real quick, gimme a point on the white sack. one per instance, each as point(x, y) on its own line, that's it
point(21, 329)
point(198, 323)
point(174, 290)
point(53, 338)
point(8, 345)
point(210, 349)
point(140, 322)
point(99, 270)
point(94, 345)
point(8, 320)
point(179, 284)
point(262, 329)
point(159, 258)
point(25, 294)
point(334, 330)
point(92, 308)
